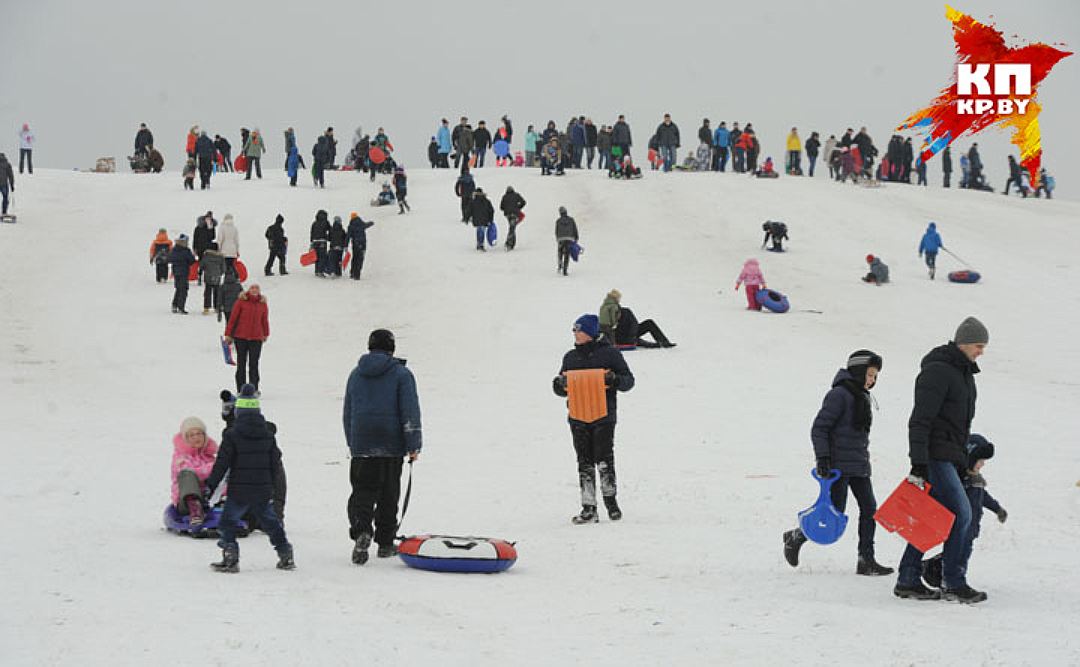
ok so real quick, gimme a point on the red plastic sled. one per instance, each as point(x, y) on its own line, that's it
point(345, 261)
point(911, 513)
point(193, 272)
point(376, 155)
point(309, 258)
point(241, 270)
point(521, 217)
point(240, 163)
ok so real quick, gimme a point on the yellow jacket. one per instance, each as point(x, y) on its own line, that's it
point(794, 143)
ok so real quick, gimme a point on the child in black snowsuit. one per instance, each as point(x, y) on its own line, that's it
point(250, 455)
point(228, 415)
point(777, 231)
point(401, 188)
point(979, 449)
point(189, 175)
point(159, 255)
point(338, 239)
point(181, 259)
point(230, 292)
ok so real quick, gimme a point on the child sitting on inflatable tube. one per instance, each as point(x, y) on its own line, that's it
point(192, 460)
point(767, 170)
point(879, 271)
point(385, 198)
point(754, 279)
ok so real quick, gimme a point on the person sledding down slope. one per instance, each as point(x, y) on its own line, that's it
point(767, 170)
point(385, 198)
point(623, 168)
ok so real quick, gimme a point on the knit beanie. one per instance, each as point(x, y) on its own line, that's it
point(588, 324)
point(869, 259)
point(863, 358)
point(978, 448)
point(192, 423)
point(381, 340)
point(247, 403)
point(279, 219)
point(970, 331)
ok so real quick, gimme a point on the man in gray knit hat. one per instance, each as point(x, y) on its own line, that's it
point(938, 431)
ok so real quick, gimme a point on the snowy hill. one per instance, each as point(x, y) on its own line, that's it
point(712, 445)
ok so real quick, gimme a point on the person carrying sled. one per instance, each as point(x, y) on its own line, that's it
point(482, 214)
point(841, 438)
point(181, 259)
point(929, 246)
point(224, 149)
point(250, 455)
point(278, 244)
point(979, 450)
point(357, 233)
point(777, 232)
point(594, 442)
point(248, 329)
point(879, 271)
point(938, 432)
point(511, 205)
point(754, 280)
point(566, 235)
point(192, 460)
point(381, 420)
point(159, 254)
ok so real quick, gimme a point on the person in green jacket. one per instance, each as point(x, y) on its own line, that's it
point(253, 150)
point(621, 327)
point(609, 314)
point(531, 139)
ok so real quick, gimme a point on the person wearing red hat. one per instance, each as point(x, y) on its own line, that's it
point(879, 271)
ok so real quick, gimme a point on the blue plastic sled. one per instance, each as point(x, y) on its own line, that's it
point(821, 522)
point(501, 148)
point(226, 351)
point(492, 233)
point(575, 251)
point(178, 523)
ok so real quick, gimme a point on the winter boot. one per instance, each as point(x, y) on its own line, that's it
point(230, 561)
point(401, 209)
point(869, 567)
point(359, 552)
point(793, 541)
point(285, 560)
point(588, 515)
point(195, 512)
point(916, 592)
point(965, 594)
point(613, 511)
point(931, 572)
point(386, 551)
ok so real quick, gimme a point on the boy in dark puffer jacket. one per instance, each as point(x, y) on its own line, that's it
point(841, 437)
point(250, 455)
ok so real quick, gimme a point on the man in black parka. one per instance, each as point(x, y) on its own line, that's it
point(594, 443)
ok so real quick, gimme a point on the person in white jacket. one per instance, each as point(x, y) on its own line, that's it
point(26, 148)
point(229, 241)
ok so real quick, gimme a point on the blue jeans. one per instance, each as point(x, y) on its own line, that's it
point(268, 521)
point(813, 161)
point(722, 153)
point(667, 154)
point(481, 236)
point(948, 490)
point(480, 153)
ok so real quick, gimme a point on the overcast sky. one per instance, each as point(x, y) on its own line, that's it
point(85, 74)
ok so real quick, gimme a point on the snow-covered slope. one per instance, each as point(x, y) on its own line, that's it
point(712, 446)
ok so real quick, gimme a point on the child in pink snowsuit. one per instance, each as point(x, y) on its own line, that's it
point(752, 277)
point(193, 459)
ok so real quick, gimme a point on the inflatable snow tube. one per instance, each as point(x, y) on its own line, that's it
point(445, 553)
point(773, 300)
point(964, 276)
point(376, 155)
point(178, 523)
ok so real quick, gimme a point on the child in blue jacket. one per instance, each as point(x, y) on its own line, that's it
point(929, 245)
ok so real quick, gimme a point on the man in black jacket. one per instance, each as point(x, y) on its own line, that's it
point(620, 136)
point(594, 442)
point(481, 142)
point(511, 205)
point(275, 238)
point(357, 233)
point(320, 237)
point(705, 136)
point(938, 431)
point(225, 148)
point(144, 140)
point(482, 213)
point(667, 139)
point(205, 152)
point(250, 455)
point(946, 165)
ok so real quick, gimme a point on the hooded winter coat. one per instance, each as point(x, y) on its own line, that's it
point(228, 238)
point(181, 259)
point(357, 232)
point(320, 229)
point(161, 241)
point(443, 140)
point(511, 203)
point(230, 291)
point(381, 411)
point(250, 454)
point(620, 134)
point(250, 319)
point(213, 266)
point(667, 135)
point(931, 240)
point(185, 457)
point(834, 432)
point(566, 229)
point(202, 236)
point(482, 211)
point(275, 235)
point(254, 146)
point(945, 394)
point(609, 314)
point(794, 143)
point(880, 270)
point(751, 274)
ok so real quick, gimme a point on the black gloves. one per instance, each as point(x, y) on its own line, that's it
point(1002, 515)
point(918, 475)
point(824, 467)
point(207, 493)
point(609, 379)
point(558, 385)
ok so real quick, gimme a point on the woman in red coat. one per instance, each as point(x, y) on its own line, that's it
point(248, 327)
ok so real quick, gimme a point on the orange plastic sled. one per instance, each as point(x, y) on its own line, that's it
point(915, 516)
point(586, 395)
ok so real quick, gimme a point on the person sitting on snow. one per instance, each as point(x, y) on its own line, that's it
point(385, 198)
point(879, 271)
point(192, 460)
point(767, 170)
